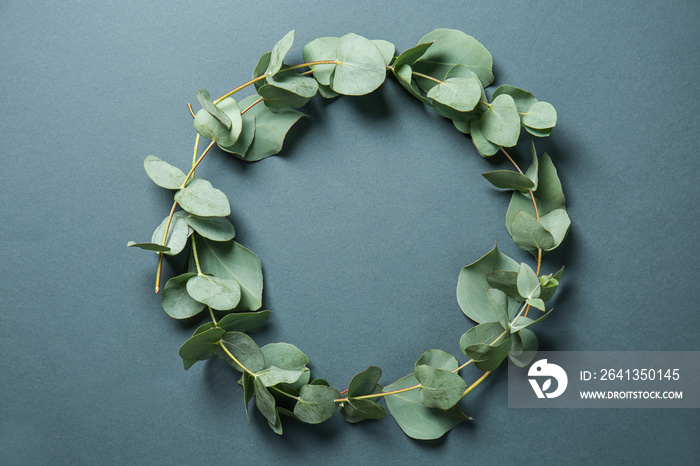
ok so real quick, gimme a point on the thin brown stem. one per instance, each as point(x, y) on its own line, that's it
point(476, 384)
point(252, 105)
point(189, 107)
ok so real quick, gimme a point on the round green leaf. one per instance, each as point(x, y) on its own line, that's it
point(284, 356)
point(528, 283)
point(404, 75)
point(439, 388)
point(461, 94)
point(245, 139)
point(148, 246)
point(199, 197)
point(201, 346)
point(214, 228)
point(486, 334)
point(506, 179)
point(321, 49)
point(207, 104)
point(524, 347)
point(523, 99)
point(360, 68)
point(410, 56)
point(244, 349)
point(438, 359)
point(316, 404)
point(485, 147)
point(177, 303)
point(386, 48)
point(162, 173)
point(218, 293)
point(211, 128)
point(178, 233)
point(243, 321)
point(500, 123)
point(279, 51)
point(540, 116)
point(529, 234)
point(364, 382)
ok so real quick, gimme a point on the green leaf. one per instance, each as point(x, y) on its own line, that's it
point(247, 382)
point(487, 333)
point(506, 179)
point(214, 228)
point(488, 357)
point(556, 222)
point(536, 302)
point(245, 139)
point(177, 303)
point(326, 92)
point(187, 363)
point(162, 173)
point(472, 284)
point(524, 347)
point(211, 128)
point(500, 124)
point(274, 375)
point(541, 115)
point(270, 129)
point(386, 48)
point(410, 56)
point(364, 382)
point(199, 197)
point(528, 283)
point(284, 356)
point(360, 68)
point(292, 91)
point(148, 246)
point(259, 70)
point(316, 404)
point(279, 51)
point(439, 388)
point(540, 133)
point(548, 290)
point(404, 76)
point(416, 420)
point(505, 281)
point(450, 48)
point(499, 305)
point(244, 349)
point(438, 359)
point(462, 126)
point(485, 147)
point(529, 234)
point(549, 195)
point(522, 322)
point(243, 321)
point(230, 260)
point(355, 410)
point(178, 233)
point(322, 49)
point(461, 94)
point(208, 105)
point(201, 346)
point(265, 403)
point(532, 171)
point(218, 293)
point(523, 99)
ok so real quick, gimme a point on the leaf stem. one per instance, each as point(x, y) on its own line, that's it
point(252, 105)
point(189, 107)
point(476, 384)
point(211, 314)
point(196, 256)
point(160, 254)
point(427, 77)
point(282, 392)
point(233, 358)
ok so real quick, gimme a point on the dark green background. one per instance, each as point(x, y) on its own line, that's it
point(362, 225)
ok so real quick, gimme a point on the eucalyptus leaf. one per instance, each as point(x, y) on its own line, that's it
point(386, 48)
point(557, 222)
point(462, 126)
point(178, 233)
point(177, 303)
point(488, 357)
point(360, 68)
point(364, 382)
point(230, 260)
point(322, 49)
point(461, 94)
point(499, 305)
point(199, 197)
point(416, 420)
point(438, 359)
point(148, 246)
point(244, 349)
point(540, 133)
point(549, 195)
point(410, 56)
point(248, 382)
point(219, 293)
point(211, 128)
point(472, 284)
point(532, 171)
point(536, 303)
point(523, 99)
point(404, 75)
point(274, 375)
point(506, 281)
point(529, 234)
point(279, 51)
point(506, 179)
point(316, 404)
point(214, 228)
point(245, 139)
point(201, 346)
point(541, 116)
point(528, 283)
point(524, 347)
point(290, 92)
point(284, 356)
point(485, 147)
point(260, 70)
point(500, 124)
point(326, 92)
point(265, 403)
point(439, 388)
point(162, 173)
point(522, 322)
point(208, 105)
point(450, 48)
point(243, 321)
point(487, 333)
point(355, 410)
point(548, 291)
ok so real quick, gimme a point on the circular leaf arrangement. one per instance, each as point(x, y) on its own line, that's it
point(447, 70)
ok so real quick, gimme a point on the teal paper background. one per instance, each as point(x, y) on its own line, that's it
point(362, 226)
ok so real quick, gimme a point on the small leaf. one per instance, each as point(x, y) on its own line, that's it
point(265, 403)
point(245, 139)
point(528, 283)
point(199, 197)
point(322, 49)
point(247, 381)
point(416, 420)
point(524, 322)
point(360, 68)
point(244, 349)
point(201, 346)
point(214, 228)
point(355, 410)
point(176, 302)
point(485, 147)
point(288, 92)
point(326, 92)
point(364, 382)
point(162, 173)
point(536, 302)
point(548, 290)
point(438, 359)
point(488, 357)
point(243, 321)
point(461, 94)
point(208, 105)
point(540, 133)
point(211, 128)
point(529, 234)
point(523, 99)
point(284, 356)
point(279, 51)
point(439, 388)
point(487, 333)
point(410, 56)
point(500, 124)
point(506, 281)
point(274, 375)
point(386, 48)
point(541, 115)
point(259, 70)
point(506, 179)
point(404, 76)
point(524, 347)
point(534, 167)
point(317, 403)
point(178, 233)
point(218, 293)
point(557, 222)
point(499, 305)
point(148, 246)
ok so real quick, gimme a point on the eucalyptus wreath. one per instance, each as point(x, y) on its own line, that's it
point(448, 70)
